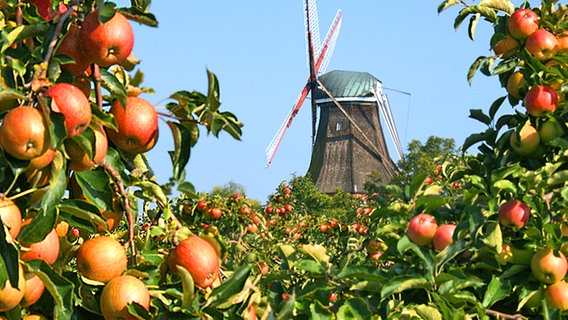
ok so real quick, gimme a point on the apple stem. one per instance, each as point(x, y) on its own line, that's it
point(126, 208)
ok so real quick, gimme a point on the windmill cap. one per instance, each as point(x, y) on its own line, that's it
point(347, 84)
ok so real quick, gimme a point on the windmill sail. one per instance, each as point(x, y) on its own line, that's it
point(323, 55)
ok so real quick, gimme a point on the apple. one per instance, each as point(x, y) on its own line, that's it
point(525, 140)
point(324, 228)
point(71, 45)
point(47, 249)
point(421, 229)
point(252, 228)
point(137, 124)
point(542, 44)
point(550, 130)
point(541, 99)
point(428, 180)
point(27, 139)
point(71, 102)
point(109, 43)
point(556, 295)
point(549, 266)
point(199, 258)
point(443, 236)
point(215, 212)
point(516, 85)
point(562, 42)
point(506, 47)
point(514, 213)
point(522, 23)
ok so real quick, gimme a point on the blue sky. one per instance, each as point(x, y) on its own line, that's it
point(257, 50)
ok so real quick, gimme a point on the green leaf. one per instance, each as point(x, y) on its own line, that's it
point(496, 291)
point(492, 236)
point(84, 211)
point(446, 4)
point(9, 262)
point(114, 86)
point(230, 287)
point(182, 148)
point(96, 187)
point(320, 312)
point(59, 287)
point(427, 312)
point(474, 67)
point(478, 115)
point(405, 282)
point(473, 25)
point(309, 266)
point(502, 5)
point(213, 92)
point(505, 185)
point(188, 287)
point(21, 32)
point(354, 308)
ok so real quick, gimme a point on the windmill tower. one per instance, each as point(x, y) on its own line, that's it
point(350, 143)
point(341, 158)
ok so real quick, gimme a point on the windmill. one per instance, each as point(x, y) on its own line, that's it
point(349, 142)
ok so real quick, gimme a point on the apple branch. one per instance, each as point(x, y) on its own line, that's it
point(505, 316)
point(125, 207)
point(41, 72)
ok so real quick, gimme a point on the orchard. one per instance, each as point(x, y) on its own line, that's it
point(88, 233)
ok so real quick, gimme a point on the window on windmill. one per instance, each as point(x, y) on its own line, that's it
point(339, 126)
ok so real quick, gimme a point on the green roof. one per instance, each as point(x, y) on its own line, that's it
point(344, 84)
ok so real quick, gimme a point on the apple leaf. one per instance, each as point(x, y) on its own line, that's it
point(182, 149)
point(473, 25)
point(404, 282)
point(354, 308)
point(474, 67)
point(59, 287)
point(115, 87)
point(501, 5)
point(478, 115)
point(21, 32)
point(213, 92)
point(106, 12)
point(446, 4)
point(96, 188)
point(9, 260)
point(83, 214)
point(496, 291)
point(230, 287)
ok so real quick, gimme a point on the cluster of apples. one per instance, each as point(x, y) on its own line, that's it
point(25, 135)
point(423, 230)
point(548, 265)
point(136, 128)
point(540, 95)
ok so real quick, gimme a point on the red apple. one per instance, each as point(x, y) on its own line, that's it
point(549, 266)
point(421, 229)
point(556, 295)
point(522, 23)
point(80, 159)
point(443, 236)
point(514, 213)
point(540, 100)
point(562, 42)
point(109, 43)
point(27, 139)
point(542, 44)
point(71, 102)
point(137, 124)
